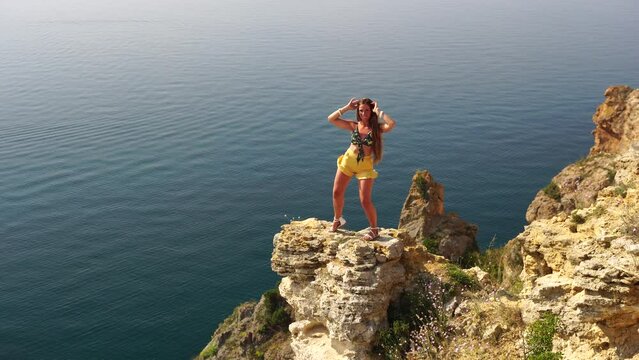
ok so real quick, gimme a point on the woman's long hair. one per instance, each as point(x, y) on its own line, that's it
point(378, 147)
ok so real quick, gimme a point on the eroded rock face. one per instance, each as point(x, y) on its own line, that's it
point(338, 285)
point(579, 257)
point(240, 334)
point(455, 236)
point(424, 206)
point(423, 216)
point(616, 132)
point(584, 267)
point(577, 184)
point(512, 262)
point(617, 121)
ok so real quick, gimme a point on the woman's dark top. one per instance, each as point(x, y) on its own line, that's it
point(356, 140)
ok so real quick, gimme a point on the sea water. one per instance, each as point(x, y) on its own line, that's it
point(149, 151)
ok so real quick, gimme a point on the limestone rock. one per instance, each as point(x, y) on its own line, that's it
point(480, 275)
point(423, 217)
point(512, 262)
point(424, 206)
point(617, 121)
point(338, 285)
point(579, 257)
point(455, 236)
point(493, 332)
point(578, 186)
point(241, 334)
point(585, 268)
point(543, 207)
point(616, 132)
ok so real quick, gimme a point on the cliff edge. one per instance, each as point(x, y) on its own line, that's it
point(565, 287)
point(338, 285)
point(580, 254)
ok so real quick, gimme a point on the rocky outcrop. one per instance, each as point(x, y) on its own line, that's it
point(578, 258)
point(580, 255)
point(512, 262)
point(338, 285)
point(577, 185)
point(617, 121)
point(248, 334)
point(423, 207)
point(585, 268)
point(423, 217)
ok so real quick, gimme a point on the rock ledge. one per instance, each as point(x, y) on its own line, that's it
point(338, 285)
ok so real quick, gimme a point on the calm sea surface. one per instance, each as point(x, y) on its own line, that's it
point(150, 150)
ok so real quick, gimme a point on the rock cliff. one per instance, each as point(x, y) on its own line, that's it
point(578, 185)
point(423, 218)
point(577, 259)
point(617, 121)
point(584, 267)
point(581, 253)
point(255, 330)
point(338, 285)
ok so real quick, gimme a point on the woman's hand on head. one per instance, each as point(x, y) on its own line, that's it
point(375, 107)
point(352, 104)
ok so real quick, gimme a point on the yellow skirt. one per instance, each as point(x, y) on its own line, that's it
point(348, 164)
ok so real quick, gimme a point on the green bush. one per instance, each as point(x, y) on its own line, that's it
point(209, 351)
point(271, 299)
point(516, 287)
point(621, 190)
point(552, 190)
point(578, 219)
point(470, 259)
point(394, 341)
point(422, 306)
point(259, 354)
point(275, 315)
point(423, 187)
point(489, 260)
point(279, 318)
point(459, 278)
point(539, 338)
point(431, 244)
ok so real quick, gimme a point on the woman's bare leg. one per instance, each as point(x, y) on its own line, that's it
point(366, 199)
point(339, 189)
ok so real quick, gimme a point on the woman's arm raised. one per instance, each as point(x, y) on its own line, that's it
point(386, 122)
point(389, 122)
point(335, 117)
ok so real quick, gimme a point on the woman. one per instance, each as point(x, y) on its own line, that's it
point(365, 150)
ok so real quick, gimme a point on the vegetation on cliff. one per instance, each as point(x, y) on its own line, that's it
point(454, 314)
point(419, 310)
point(255, 330)
point(539, 338)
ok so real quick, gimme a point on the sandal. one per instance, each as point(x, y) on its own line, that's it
point(372, 234)
point(338, 223)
